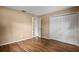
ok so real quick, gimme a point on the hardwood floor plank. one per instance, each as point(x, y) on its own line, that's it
point(39, 45)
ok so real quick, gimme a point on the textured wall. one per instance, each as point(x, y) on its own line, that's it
point(45, 27)
point(14, 25)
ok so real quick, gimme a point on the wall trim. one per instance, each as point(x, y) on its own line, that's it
point(14, 42)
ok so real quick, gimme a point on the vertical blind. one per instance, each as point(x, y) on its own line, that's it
point(65, 28)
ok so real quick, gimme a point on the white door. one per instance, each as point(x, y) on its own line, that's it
point(36, 26)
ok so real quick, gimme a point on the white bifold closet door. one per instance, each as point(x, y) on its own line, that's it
point(36, 26)
point(65, 28)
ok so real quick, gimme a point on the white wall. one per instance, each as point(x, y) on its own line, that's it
point(14, 26)
point(65, 28)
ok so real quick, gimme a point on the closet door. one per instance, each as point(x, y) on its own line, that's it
point(36, 32)
point(64, 28)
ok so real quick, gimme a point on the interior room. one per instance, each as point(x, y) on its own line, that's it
point(39, 29)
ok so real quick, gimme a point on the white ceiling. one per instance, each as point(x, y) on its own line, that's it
point(39, 10)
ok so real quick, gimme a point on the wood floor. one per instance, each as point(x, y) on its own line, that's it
point(39, 45)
